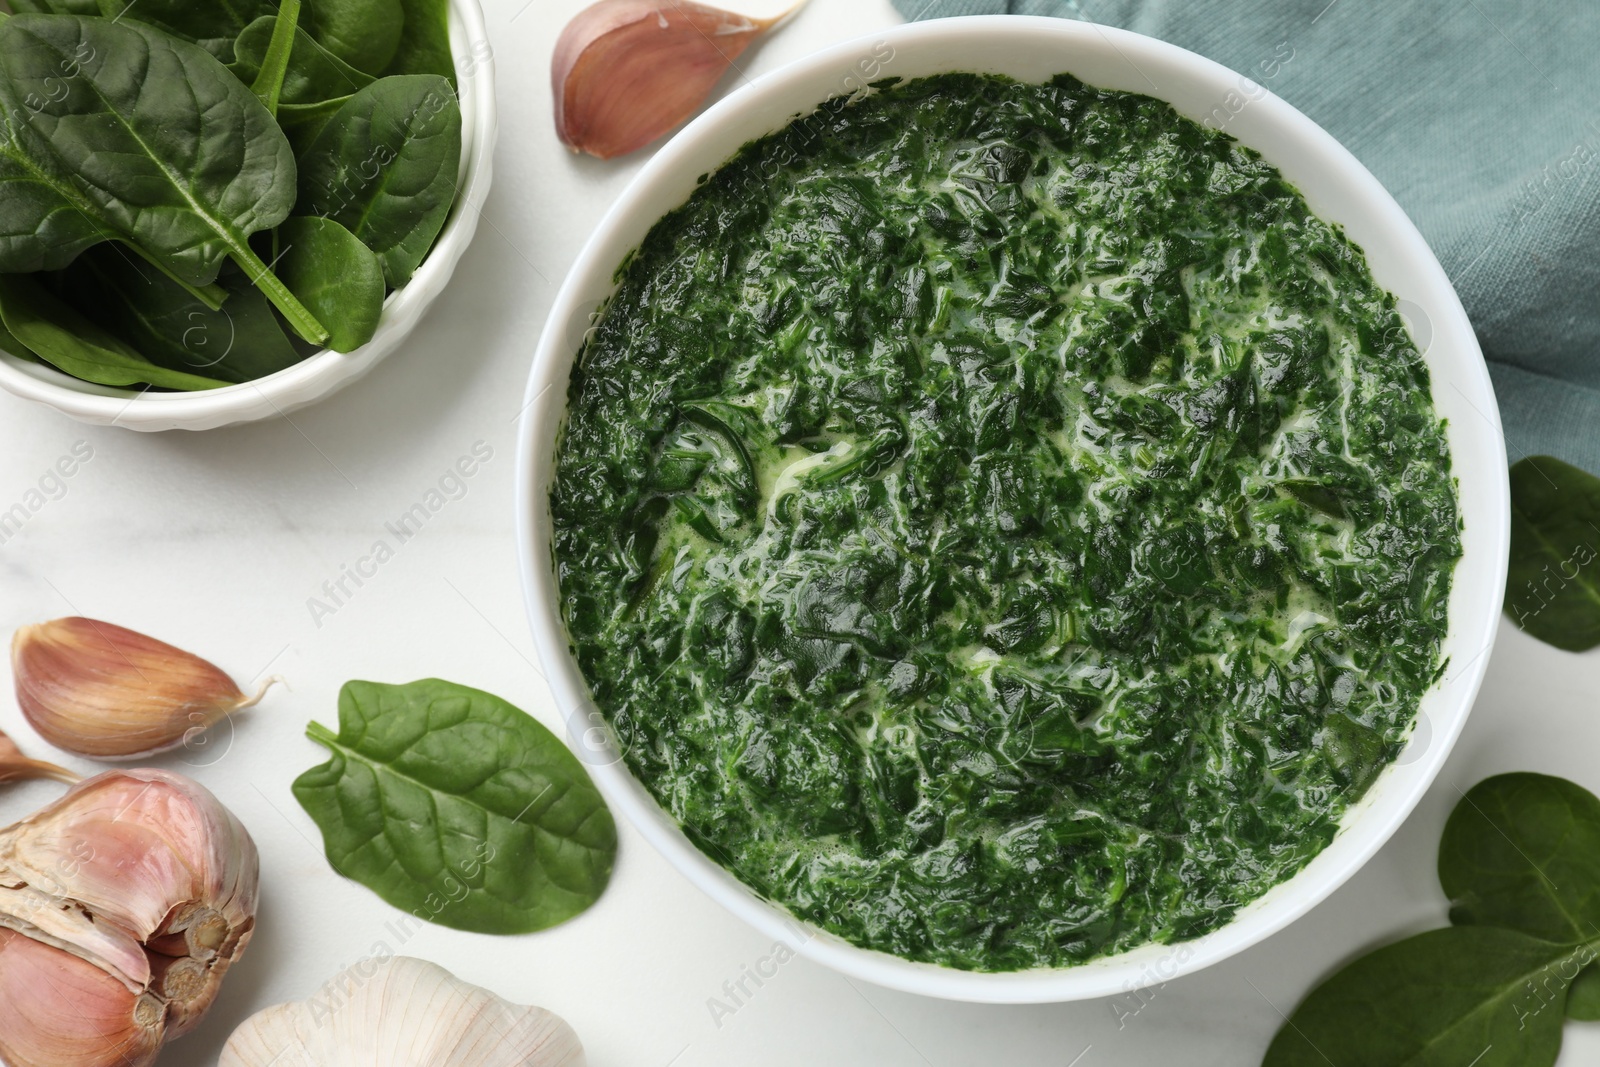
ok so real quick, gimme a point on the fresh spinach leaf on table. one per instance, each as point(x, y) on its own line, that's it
point(1519, 861)
point(334, 275)
point(60, 336)
point(1449, 997)
point(1553, 585)
point(456, 806)
point(385, 167)
point(1522, 851)
point(184, 172)
point(1583, 998)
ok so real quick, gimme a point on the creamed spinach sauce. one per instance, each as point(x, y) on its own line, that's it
point(1002, 524)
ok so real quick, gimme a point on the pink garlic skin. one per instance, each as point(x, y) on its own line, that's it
point(626, 72)
point(16, 767)
point(100, 690)
point(57, 1011)
point(137, 888)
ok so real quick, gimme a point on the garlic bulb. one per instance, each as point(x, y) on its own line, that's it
point(99, 690)
point(625, 72)
point(122, 906)
point(401, 1012)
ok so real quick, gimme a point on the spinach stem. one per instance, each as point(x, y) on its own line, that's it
point(321, 734)
point(211, 295)
point(300, 320)
point(268, 85)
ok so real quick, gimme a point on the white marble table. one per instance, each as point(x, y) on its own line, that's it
point(219, 541)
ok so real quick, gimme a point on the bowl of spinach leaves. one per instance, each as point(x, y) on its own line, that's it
point(212, 214)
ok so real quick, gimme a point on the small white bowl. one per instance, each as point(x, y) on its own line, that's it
point(325, 372)
point(1337, 187)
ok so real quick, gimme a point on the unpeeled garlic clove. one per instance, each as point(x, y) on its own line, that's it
point(130, 896)
point(16, 767)
point(626, 72)
point(395, 1011)
point(57, 1010)
point(103, 691)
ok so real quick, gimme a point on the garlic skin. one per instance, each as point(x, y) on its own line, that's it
point(106, 692)
point(122, 906)
point(403, 1012)
point(16, 767)
point(58, 1011)
point(626, 72)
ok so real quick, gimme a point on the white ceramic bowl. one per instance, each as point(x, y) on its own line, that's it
point(1337, 187)
point(325, 372)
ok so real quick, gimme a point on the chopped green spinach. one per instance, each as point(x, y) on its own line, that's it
point(1002, 523)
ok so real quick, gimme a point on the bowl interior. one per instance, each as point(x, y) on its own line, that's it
point(1336, 186)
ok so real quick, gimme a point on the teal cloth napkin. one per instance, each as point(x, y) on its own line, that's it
point(1482, 117)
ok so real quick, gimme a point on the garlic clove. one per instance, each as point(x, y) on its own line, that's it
point(626, 72)
point(403, 1012)
point(58, 1010)
point(49, 921)
point(15, 767)
point(103, 691)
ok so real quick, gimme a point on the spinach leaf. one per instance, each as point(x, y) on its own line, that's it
point(1520, 860)
point(268, 82)
point(1552, 589)
point(1583, 999)
point(239, 342)
point(185, 171)
point(62, 337)
point(1451, 997)
point(313, 75)
point(45, 222)
point(55, 7)
point(211, 24)
point(303, 122)
point(1315, 495)
point(424, 46)
point(334, 275)
point(385, 167)
point(9, 342)
point(363, 33)
point(1522, 851)
point(454, 805)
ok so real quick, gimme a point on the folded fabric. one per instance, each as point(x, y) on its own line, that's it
point(1482, 117)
